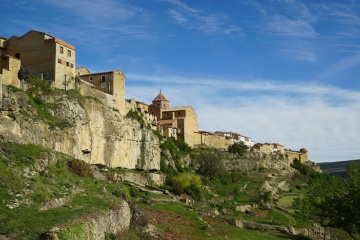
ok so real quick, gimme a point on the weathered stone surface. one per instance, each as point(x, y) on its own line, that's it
point(98, 135)
point(95, 227)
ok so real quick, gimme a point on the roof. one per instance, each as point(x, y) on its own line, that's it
point(160, 97)
point(52, 39)
point(2, 38)
point(91, 74)
point(177, 109)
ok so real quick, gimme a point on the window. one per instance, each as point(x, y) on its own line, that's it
point(178, 113)
point(67, 64)
point(61, 49)
point(103, 78)
point(17, 55)
point(71, 65)
point(91, 78)
point(59, 61)
point(69, 53)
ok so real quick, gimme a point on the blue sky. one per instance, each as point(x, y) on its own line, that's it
point(283, 71)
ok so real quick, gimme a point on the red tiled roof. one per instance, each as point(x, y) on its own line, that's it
point(160, 97)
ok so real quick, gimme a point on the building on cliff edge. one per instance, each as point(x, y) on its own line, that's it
point(44, 56)
point(177, 122)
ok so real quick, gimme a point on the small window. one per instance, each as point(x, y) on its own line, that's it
point(103, 85)
point(59, 61)
point(178, 113)
point(71, 65)
point(69, 53)
point(67, 64)
point(91, 78)
point(103, 78)
point(17, 55)
point(61, 49)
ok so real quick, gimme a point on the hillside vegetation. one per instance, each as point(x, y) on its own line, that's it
point(207, 194)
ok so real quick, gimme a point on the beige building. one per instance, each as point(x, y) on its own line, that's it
point(112, 83)
point(268, 148)
point(178, 122)
point(9, 68)
point(44, 56)
point(302, 155)
point(212, 140)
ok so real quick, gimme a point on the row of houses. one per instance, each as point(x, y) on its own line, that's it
point(181, 122)
point(53, 59)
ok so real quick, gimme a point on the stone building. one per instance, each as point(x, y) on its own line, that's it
point(112, 82)
point(302, 155)
point(180, 122)
point(44, 56)
point(268, 148)
point(9, 68)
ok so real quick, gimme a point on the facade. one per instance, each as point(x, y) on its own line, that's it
point(44, 56)
point(269, 148)
point(9, 68)
point(302, 155)
point(186, 122)
point(112, 83)
point(2, 43)
point(177, 122)
point(235, 137)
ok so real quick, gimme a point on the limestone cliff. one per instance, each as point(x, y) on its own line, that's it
point(87, 126)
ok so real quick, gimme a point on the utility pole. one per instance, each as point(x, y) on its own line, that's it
point(65, 81)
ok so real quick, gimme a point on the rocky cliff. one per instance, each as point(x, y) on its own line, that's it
point(86, 126)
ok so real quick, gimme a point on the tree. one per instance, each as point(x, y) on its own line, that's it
point(210, 165)
point(240, 148)
point(23, 75)
point(334, 201)
point(263, 196)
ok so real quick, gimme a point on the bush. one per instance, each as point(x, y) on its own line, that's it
point(79, 167)
point(188, 183)
point(210, 165)
point(240, 148)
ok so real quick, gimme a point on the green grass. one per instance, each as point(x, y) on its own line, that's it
point(286, 200)
point(21, 180)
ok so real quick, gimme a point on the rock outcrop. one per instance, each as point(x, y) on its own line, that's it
point(91, 129)
point(94, 227)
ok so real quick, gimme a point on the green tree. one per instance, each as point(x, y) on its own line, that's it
point(334, 201)
point(240, 148)
point(23, 75)
point(210, 165)
point(263, 196)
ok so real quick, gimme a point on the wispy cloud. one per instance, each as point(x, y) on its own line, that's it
point(290, 23)
point(212, 23)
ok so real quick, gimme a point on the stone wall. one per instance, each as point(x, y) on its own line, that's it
point(212, 140)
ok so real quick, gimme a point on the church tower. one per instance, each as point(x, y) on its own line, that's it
point(161, 101)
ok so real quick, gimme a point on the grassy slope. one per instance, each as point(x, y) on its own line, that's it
point(25, 187)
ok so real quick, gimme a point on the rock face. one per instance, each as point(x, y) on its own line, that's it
point(94, 227)
point(94, 130)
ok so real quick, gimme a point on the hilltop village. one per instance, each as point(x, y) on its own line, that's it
point(53, 59)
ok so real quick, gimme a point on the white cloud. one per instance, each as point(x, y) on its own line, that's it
point(212, 23)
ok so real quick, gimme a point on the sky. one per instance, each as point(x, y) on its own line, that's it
point(278, 71)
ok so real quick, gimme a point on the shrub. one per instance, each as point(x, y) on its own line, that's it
point(79, 167)
point(188, 183)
